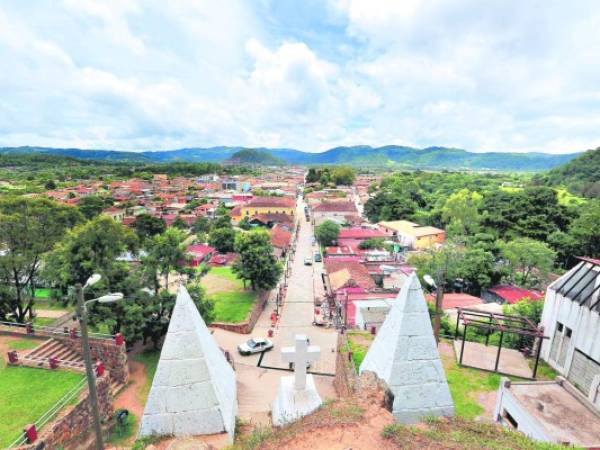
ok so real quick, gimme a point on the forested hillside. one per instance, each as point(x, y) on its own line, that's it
point(581, 175)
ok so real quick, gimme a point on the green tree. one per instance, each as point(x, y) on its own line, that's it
point(372, 243)
point(147, 226)
point(201, 225)
point(29, 228)
point(524, 256)
point(166, 253)
point(343, 175)
point(50, 185)
point(327, 233)
point(92, 247)
point(91, 206)
point(222, 239)
point(477, 268)
point(245, 223)
point(461, 209)
point(256, 263)
point(584, 230)
point(180, 224)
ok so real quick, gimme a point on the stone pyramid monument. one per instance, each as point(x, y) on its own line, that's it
point(404, 355)
point(194, 389)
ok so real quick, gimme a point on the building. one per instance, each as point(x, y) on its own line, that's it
point(198, 254)
point(264, 205)
point(281, 237)
point(548, 411)
point(508, 294)
point(361, 234)
point(413, 235)
point(336, 211)
point(117, 214)
point(571, 320)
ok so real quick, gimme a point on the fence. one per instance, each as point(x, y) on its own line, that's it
point(51, 413)
point(31, 329)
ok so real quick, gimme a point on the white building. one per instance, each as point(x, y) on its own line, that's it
point(571, 320)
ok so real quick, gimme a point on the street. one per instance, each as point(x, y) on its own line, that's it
point(257, 386)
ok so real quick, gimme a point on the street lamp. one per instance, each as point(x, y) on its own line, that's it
point(91, 377)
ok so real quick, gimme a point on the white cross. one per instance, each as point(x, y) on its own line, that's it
point(300, 355)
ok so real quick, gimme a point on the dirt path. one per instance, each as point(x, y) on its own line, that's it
point(130, 398)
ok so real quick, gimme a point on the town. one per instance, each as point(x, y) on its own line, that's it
point(205, 291)
point(303, 225)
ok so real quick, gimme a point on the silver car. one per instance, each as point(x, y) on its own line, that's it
point(255, 345)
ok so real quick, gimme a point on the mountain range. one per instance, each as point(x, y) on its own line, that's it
point(392, 156)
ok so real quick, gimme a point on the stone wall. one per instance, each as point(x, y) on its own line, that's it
point(73, 424)
point(247, 326)
point(112, 355)
point(345, 381)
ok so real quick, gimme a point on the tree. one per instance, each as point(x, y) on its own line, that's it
point(245, 223)
point(256, 263)
point(50, 185)
point(91, 206)
point(222, 221)
point(461, 209)
point(92, 247)
point(390, 206)
point(201, 225)
point(477, 269)
point(29, 228)
point(327, 233)
point(166, 253)
point(524, 256)
point(223, 239)
point(585, 230)
point(343, 175)
point(442, 265)
point(180, 224)
point(147, 226)
point(372, 243)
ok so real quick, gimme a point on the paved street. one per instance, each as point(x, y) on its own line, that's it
point(257, 386)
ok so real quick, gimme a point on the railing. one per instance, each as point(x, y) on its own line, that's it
point(30, 328)
point(51, 413)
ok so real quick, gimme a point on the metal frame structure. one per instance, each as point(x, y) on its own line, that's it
point(503, 323)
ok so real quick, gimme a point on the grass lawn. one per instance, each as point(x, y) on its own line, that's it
point(149, 359)
point(358, 344)
point(23, 344)
point(26, 394)
point(43, 321)
point(465, 384)
point(43, 293)
point(233, 303)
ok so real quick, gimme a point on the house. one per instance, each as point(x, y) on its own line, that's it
point(336, 211)
point(270, 220)
point(199, 253)
point(281, 238)
point(264, 205)
point(362, 234)
point(117, 214)
point(571, 320)
point(504, 293)
point(366, 310)
point(413, 235)
point(345, 273)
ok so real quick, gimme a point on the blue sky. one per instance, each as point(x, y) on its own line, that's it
point(481, 75)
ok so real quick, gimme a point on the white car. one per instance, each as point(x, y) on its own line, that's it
point(255, 345)
point(308, 261)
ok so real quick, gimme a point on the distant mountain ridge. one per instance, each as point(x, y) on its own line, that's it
point(392, 156)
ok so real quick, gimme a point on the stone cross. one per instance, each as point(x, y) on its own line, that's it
point(301, 354)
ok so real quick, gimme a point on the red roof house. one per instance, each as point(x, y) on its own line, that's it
point(505, 293)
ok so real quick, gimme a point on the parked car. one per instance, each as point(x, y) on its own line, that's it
point(318, 257)
point(255, 345)
point(308, 261)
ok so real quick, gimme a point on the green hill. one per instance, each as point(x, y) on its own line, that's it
point(580, 175)
point(254, 156)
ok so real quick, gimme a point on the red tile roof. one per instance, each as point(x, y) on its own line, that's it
point(335, 207)
point(361, 233)
point(452, 300)
point(512, 294)
point(280, 202)
point(280, 237)
point(355, 272)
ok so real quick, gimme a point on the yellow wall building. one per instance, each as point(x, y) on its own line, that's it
point(413, 235)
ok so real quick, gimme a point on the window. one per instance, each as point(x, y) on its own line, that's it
point(510, 419)
point(568, 332)
point(559, 327)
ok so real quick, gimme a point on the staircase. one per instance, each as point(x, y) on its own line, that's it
point(53, 348)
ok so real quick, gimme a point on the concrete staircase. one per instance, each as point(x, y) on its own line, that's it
point(53, 348)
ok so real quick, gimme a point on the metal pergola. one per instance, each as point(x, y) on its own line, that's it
point(492, 322)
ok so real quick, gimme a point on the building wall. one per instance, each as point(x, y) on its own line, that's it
point(252, 210)
point(425, 242)
point(526, 424)
point(584, 323)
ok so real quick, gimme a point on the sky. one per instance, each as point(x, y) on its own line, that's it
point(493, 75)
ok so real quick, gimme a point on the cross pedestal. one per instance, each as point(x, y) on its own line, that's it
point(297, 396)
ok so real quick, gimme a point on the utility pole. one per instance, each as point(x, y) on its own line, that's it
point(91, 376)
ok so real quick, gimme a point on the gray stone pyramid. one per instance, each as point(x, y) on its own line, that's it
point(404, 355)
point(194, 388)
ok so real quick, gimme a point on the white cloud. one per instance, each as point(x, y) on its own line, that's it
point(492, 75)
